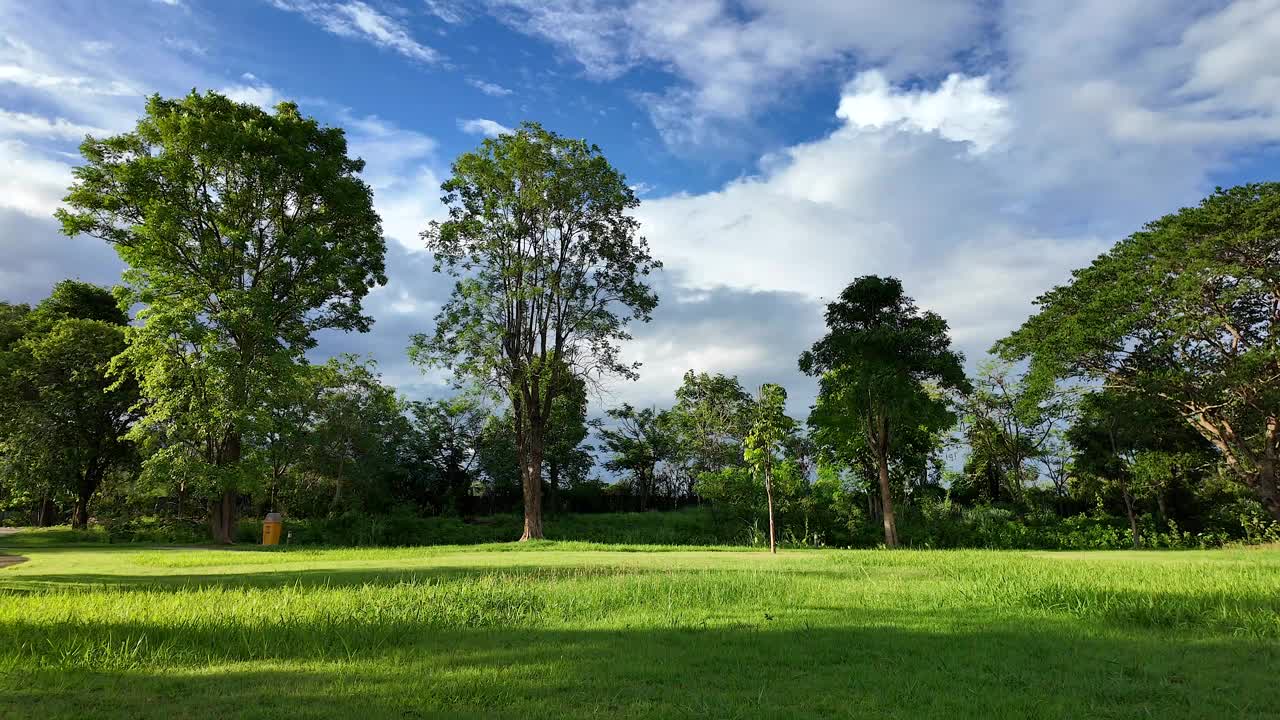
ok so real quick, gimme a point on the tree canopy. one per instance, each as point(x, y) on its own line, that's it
point(550, 269)
point(244, 232)
point(1186, 309)
point(879, 352)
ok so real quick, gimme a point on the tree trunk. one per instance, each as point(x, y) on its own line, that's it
point(529, 448)
point(222, 514)
point(553, 486)
point(768, 491)
point(886, 500)
point(88, 485)
point(45, 512)
point(1267, 486)
point(223, 518)
point(80, 513)
point(1133, 520)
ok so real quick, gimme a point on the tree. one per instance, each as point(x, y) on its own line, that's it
point(874, 363)
point(358, 425)
point(449, 432)
point(550, 272)
point(568, 461)
point(638, 440)
point(64, 416)
point(709, 422)
point(1008, 423)
point(1187, 309)
point(766, 440)
point(1133, 446)
point(244, 232)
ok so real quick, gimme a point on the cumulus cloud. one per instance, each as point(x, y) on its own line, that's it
point(731, 63)
point(483, 126)
point(961, 108)
point(894, 190)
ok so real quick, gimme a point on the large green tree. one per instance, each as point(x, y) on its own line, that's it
point(883, 366)
point(1186, 309)
point(64, 416)
point(244, 232)
point(709, 421)
point(551, 270)
point(1008, 423)
point(638, 441)
point(448, 433)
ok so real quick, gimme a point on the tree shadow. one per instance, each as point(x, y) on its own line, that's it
point(1027, 669)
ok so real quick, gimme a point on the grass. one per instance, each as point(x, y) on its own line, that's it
point(574, 630)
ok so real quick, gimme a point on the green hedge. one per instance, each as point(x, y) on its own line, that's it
point(693, 526)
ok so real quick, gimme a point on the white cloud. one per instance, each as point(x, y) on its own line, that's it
point(14, 124)
point(961, 109)
point(488, 88)
point(32, 183)
point(733, 62)
point(253, 91)
point(400, 167)
point(355, 19)
point(483, 126)
point(892, 192)
point(28, 78)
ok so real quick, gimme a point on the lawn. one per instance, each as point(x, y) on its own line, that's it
point(578, 631)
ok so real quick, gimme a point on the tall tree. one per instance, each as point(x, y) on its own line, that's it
point(765, 442)
point(64, 416)
point(550, 271)
point(448, 435)
point(709, 422)
point(358, 425)
point(1133, 446)
point(639, 441)
point(244, 232)
point(567, 459)
point(1008, 422)
point(1187, 309)
point(879, 353)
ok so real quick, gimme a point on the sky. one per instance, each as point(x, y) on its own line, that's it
point(978, 150)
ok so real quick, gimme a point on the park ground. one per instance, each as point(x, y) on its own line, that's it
point(567, 630)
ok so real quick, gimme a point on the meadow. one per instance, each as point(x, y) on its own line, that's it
point(577, 630)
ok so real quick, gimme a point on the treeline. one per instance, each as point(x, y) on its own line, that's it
point(1138, 406)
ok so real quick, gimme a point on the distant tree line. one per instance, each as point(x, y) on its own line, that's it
point(1139, 405)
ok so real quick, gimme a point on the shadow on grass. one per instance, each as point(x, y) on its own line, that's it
point(308, 578)
point(1031, 669)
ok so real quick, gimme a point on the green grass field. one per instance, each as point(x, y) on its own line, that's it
point(579, 631)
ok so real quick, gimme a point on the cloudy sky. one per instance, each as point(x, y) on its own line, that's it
point(979, 150)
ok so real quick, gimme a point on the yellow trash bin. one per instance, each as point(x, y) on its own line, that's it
point(271, 528)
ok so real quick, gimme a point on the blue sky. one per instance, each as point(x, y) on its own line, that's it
point(977, 150)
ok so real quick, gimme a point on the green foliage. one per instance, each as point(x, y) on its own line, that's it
point(244, 232)
point(638, 440)
point(708, 422)
point(883, 367)
point(1009, 424)
point(551, 271)
point(63, 416)
point(1187, 309)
